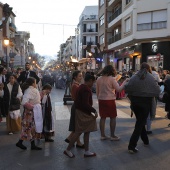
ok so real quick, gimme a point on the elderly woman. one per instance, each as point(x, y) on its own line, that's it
point(141, 89)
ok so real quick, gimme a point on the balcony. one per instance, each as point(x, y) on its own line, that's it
point(90, 31)
point(12, 27)
point(115, 38)
point(88, 43)
point(115, 14)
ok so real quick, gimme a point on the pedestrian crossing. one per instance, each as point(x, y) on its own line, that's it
point(62, 112)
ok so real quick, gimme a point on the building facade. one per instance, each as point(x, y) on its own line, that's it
point(137, 31)
point(22, 45)
point(87, 31)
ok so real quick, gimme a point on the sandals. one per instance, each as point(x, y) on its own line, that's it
point(65, 152)
point(92, 155)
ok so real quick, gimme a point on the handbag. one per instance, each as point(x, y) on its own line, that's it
point(15, 114)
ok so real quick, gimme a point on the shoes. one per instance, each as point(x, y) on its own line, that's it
point(92, 155)
point(149, 132)
point(146, 144)
point(35, 148)
point(49, 140)
point(132, 151)
point(104, 137)
point(65, 152)
point(20, 145)
point(80, 146)
point(10, 133)
point(67, 141)
point(114, 138)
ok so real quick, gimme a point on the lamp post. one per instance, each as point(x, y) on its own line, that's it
point(90, 61)
point(6, 43)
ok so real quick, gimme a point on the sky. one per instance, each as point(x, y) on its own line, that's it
point(47, 38)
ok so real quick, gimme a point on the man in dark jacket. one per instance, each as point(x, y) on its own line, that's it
point(26, 74)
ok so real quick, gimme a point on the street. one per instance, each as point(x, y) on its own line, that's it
point(111, 155)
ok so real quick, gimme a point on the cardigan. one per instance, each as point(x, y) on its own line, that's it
point(84, 100)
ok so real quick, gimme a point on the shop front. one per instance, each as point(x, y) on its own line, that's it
point(157, 54)
point(128, 58)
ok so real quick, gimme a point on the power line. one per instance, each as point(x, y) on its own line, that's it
point(49, 24)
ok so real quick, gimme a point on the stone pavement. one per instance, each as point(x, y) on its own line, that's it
point(111, 155)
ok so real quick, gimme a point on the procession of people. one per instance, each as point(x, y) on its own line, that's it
point(28, 108)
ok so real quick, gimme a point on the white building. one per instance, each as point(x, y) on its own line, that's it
point(140, 32)
point(87, 31)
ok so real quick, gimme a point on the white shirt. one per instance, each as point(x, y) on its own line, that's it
point(10, 86)
point(31, 95)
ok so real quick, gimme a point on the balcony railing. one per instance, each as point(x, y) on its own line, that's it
point(88, 43)
point(11, 25)
point(115, 38)
point(90, 30)
point(115, 14)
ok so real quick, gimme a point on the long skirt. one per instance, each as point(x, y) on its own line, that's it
point(48, 132)
point(84, 122)
point(72, 118)
point(107, 108)
point(28, 125)
point(13, 125)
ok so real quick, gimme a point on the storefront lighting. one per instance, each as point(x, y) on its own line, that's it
point(154, 41)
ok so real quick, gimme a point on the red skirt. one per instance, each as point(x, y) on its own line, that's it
point(107, 108)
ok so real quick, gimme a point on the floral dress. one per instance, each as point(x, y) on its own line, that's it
point(31, 98)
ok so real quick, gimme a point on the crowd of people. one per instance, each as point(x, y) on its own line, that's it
point(36, 120)
point(31, 90)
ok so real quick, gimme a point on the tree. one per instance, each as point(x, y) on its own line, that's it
point(7, 12)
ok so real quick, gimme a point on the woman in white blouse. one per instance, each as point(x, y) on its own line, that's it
point(32, 121)
point(12, 98)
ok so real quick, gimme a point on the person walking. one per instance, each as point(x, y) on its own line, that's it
point(141, 89)
point(26, 74)
point(85, 122)
point(48, 119)
point(12, 101)
point(32, 121)
point(76, 81)
point(105, 90)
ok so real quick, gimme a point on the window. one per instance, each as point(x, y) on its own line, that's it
point(152, 20)
point(128, 1)
point(127, 24)
point(101, 2)
point(101, 39)
point(102, 20)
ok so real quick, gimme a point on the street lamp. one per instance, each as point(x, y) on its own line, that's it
point(6, 43)
point(90, 61)
point(29, 58)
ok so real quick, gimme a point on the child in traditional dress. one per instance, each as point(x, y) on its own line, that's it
point(48, 121)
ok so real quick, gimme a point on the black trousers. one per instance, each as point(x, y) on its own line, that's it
point(141, 111)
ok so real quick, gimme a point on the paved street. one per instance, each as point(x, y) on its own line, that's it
point(111, 155)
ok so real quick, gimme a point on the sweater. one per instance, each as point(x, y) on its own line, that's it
point(84, 100)
point(142, 87)
point(106, 86)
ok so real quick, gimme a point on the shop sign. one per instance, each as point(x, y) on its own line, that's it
point(154, 48)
